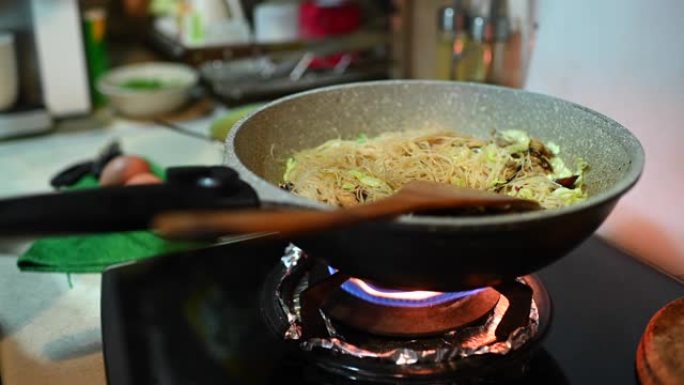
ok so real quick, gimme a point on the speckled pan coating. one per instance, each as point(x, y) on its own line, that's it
point(259, 144)
point(429, 252)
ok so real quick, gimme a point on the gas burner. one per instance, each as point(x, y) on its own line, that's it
point(408, 322)
point(393, 313)
point(397, 298)
point(360, 330)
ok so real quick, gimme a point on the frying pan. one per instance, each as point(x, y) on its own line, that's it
point(436, 252)
point(444, 253)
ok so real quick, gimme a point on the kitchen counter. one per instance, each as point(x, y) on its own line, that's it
point(49, 322)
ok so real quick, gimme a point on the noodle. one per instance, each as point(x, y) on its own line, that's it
point(350, 172)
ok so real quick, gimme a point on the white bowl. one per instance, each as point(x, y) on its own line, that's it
point(173, 84)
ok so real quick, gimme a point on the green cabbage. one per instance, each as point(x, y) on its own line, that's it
point(560, 170)
point(553, 147)
point(569, 196)
point(519, 140)
point(289, 166)
point(366, 179)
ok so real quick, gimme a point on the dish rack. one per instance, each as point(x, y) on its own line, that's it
point(245, 73)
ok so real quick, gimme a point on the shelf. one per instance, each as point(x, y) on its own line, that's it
point(357, 41)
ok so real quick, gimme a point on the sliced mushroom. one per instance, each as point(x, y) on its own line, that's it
point(568, 182)
point(536, 146)
point(538, 160)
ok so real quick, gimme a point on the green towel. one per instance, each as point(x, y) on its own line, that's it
point(94, 253)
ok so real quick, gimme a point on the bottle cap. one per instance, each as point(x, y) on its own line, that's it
point(451, 18)
point(480, 29)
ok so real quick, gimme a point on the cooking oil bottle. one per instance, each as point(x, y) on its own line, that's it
point(451, 37)
point(476, 56)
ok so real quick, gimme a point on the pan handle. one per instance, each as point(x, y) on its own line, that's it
point(125, 208)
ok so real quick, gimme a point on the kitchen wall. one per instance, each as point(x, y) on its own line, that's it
point(625, 59)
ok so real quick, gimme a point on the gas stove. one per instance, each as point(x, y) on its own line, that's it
point(264, 312)
point(360, 330)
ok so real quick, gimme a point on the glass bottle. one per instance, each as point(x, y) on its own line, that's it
point(500, 71)
point(450, 40)
point(477, 53)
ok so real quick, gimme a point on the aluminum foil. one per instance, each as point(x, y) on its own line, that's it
point(450, 346)
point(293, 255)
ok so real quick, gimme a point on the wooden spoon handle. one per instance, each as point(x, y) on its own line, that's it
point(203, 224)
point(414, 197)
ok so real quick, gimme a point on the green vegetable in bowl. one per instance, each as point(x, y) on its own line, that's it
point(147, 84)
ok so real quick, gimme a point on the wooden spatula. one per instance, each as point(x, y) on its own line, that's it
point(413, 197)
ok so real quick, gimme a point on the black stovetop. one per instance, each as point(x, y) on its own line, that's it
point(194, 318)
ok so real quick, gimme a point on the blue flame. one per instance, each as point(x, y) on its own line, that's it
point(354, 287)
